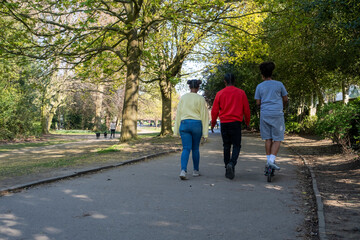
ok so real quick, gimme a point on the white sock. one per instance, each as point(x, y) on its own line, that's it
point(268, 158)
point(272, 158)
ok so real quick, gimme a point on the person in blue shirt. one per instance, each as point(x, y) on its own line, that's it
point(271, 96)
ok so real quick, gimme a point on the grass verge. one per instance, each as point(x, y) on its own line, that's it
point(39, 163)
point(15, 146)
point(72, 132)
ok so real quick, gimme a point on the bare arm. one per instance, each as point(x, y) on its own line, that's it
point(258, 103)
point(285, 100)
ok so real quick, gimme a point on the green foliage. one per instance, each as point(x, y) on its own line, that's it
point(104, 128)
point(307, 125)
point(292, 125)
point(340, 123)
point(255, 122)
point(19, 113)
point(149, 103)
point(314, 43)
point(240, 35)
point(78, 112)
point(315, 46)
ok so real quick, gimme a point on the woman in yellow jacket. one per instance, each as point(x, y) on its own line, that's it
point(191, 123)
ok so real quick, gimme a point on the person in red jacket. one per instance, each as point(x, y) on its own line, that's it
point(231, 106)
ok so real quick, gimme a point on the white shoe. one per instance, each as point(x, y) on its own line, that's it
point(196, 173)
point(274, 166)
point(182, 175)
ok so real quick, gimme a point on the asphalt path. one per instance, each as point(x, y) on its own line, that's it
point(147, 200)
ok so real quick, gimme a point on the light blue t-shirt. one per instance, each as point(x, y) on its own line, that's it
point(270, 92)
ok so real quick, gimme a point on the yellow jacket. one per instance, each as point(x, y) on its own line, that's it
point(192, 106)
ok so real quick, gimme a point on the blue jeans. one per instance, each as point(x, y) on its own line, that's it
point(190, 132)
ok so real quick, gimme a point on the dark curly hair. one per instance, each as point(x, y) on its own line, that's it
point(229, 78)
point(266, 69)
point(194, 83)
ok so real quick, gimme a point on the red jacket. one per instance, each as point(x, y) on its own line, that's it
point(230, 105)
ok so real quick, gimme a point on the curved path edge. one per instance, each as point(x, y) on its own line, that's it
point(319, 203)
point(21, 187)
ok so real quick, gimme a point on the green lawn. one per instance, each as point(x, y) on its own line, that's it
point(72, 132)
point(15, 146)
point(40, 161)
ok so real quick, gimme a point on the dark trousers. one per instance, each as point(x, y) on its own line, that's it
point(231, 135)
point(112, 133)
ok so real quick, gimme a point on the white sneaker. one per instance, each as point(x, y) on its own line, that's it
point(274, 166)
point(196, 173)
point(182, 175)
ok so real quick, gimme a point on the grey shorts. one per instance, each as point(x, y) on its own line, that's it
point(272, 127)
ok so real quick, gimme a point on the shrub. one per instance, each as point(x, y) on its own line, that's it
point(308, 124)
point(6, 134)
point(292, 127)
point(340, 123)
point(255, 122)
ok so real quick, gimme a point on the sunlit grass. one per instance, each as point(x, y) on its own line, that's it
point(148, 129)
point(34, 166)
point(141, 130)
point(118, 147)
point(36, 163)
point(114, 148)
point(15, 146)
point(148, 135)
point(72, 132)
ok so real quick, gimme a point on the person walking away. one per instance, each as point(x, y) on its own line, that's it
point(231, 106)
point(271, 97)
point(191, 123)
point(112, 129)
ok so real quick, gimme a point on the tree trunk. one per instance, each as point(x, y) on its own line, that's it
point(312, 111)
point(130, 108)
point(49, 120)
point(118, 117)
point(300, 110)
point(120, 109)
point(318, 92)
point(44, 120)
point(47, 114)
point(59, 120)
point(98, 108)
point(345, 93)
point(166, 123)
point(83, 119)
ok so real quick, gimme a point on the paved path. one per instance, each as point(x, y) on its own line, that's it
point(148, 201)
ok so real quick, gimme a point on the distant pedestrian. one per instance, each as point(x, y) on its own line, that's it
point(112, 129)
point(231, 106)
point(191, 123)
point(271, 97)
